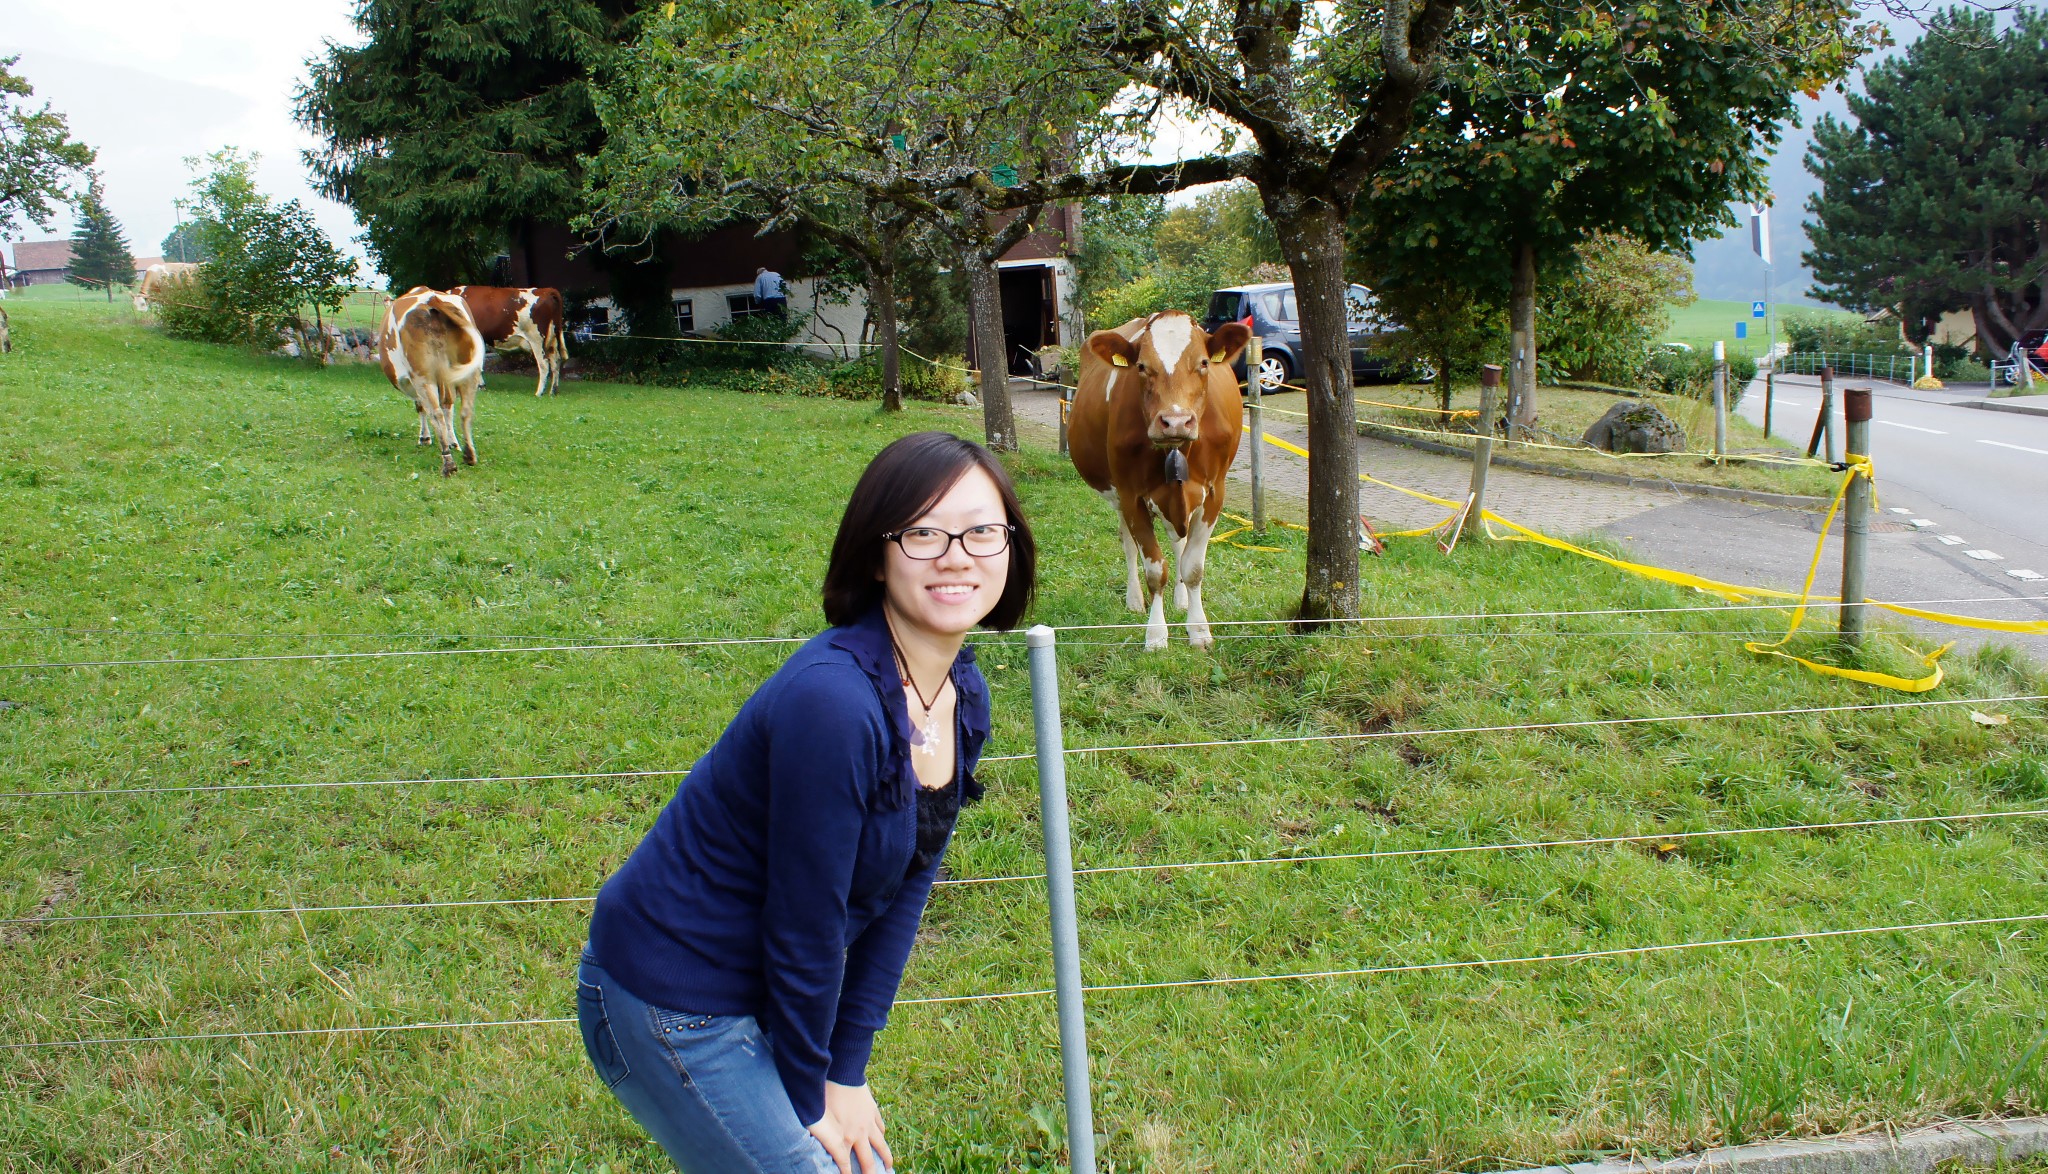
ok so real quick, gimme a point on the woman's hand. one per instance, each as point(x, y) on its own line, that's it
point(851, 1130)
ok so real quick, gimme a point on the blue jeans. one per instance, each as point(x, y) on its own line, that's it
point(703, 1086)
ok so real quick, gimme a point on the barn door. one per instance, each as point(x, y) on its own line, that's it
point(1049, 301)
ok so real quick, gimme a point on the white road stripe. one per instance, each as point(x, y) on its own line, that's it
point(1914, 427)
point(1950, 539)
point(2043, 452)
point(1989, 556)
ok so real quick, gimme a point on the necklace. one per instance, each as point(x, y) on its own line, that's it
point(925, 737)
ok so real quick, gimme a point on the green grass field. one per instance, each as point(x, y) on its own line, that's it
point(161, 499)
point(1706, 320)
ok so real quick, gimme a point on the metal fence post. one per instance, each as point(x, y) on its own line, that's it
point(1720, 399)
point(1770, 393)
point(1059, 884)
point(1254, 354)
point(1482, 452)
point(1855, 520)
point(1066, 409)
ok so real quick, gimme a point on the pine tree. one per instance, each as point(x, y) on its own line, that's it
point(1934, 197)
point(457, 125)
point(99, 249)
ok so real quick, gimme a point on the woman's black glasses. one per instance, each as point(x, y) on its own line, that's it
point(930, 542)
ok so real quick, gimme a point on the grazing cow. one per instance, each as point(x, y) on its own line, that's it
point(6, 339)
point(158, 279)
point(533, 316)
point(1155, 425)
point(431, 350)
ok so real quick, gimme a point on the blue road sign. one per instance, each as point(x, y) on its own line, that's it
point(1756, 309)
point(1742, 330)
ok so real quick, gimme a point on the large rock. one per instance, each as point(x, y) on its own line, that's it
point(1633, 426)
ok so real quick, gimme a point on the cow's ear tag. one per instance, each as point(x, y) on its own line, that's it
point(1217, 357)
point(1120, 361)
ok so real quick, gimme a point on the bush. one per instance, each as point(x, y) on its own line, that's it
point(1835, 333)
point(1691, 374)
point(187, 308)
point(1118, 304)
point(268, 262)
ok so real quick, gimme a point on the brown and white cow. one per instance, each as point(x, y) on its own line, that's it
point(158, 280)
point(431, 350)
point(531, 315)
point(1155, 426)
point(6, 339)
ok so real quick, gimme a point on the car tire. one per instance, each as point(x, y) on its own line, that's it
point(1274, 370)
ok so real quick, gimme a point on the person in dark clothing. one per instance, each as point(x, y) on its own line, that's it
point(742, 959)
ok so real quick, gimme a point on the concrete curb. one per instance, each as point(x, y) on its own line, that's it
point(2001, 405)
point(1797, 501)
point(1984, 1143)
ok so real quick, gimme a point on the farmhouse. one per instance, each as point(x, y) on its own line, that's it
point(41, 262)
point(711, 282)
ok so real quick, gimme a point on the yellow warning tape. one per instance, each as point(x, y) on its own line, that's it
point(1859, 466)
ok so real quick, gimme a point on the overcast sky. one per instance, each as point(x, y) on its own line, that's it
point(148, 83)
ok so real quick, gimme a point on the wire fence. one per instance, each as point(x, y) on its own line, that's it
point(1895, 367)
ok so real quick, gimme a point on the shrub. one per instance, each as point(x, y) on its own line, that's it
point(186, 308)
point(1142, 295)
point(1691, 374)
point(268, 262)
point(1836, 333)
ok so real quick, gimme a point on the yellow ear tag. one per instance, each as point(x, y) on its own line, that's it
point(1120, 361)
point(1217, 357)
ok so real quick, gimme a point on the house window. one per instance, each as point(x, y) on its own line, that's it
point(686, 316)
point(743, 305)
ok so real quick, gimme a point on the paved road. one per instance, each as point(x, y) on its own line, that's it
point(1981, 476)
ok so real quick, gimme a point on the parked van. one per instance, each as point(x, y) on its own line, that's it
point(1276, 320)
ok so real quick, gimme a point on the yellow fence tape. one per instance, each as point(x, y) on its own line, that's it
point(1801, 599)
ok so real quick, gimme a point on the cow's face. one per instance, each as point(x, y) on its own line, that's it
point(1173, 360)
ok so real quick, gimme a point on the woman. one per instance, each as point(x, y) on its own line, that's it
point(742, 959)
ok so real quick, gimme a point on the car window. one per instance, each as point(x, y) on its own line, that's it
point(1280, 306)
point(1223, 308)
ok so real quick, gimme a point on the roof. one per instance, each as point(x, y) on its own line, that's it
point(41, 254)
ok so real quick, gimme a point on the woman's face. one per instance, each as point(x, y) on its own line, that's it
point(949, 595)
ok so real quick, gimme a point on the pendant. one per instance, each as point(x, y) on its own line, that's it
point(928, 744)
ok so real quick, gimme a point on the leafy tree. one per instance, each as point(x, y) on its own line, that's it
point(1445, 323)
point(1322, 97)
point(37, 152)
point(1602, 320)
point(457, 125)
point(1639, 123)
point(1936, 198)
point(99, 249)
point(828, 112)
point(1119, 243)
point(185, 243)
point(268, 262)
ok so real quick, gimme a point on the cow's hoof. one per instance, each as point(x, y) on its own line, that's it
point(1135, 602)
point(1200, 638)
point(424, 442)
point(469, 456)
point(1155, 637)
point(447, 467)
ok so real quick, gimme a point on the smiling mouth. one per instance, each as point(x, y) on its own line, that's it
point(952, 592)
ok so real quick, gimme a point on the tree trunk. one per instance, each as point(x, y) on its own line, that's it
point(882, 303)
point(1311, 235)
point(998, 424)
point(1443, 386)
point(1522, 334)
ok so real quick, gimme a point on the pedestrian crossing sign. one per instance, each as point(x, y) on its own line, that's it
point(1756, 309)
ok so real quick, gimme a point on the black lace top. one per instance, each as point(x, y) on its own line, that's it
point(937, 808)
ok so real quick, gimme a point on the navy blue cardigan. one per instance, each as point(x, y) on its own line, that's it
point(775, 883)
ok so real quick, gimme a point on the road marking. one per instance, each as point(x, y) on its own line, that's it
point(1899, 509)
point(1985, 555)
point(2040, 452)
point(1922, 523)
point(1914, 427)
point(1950, 539)
point(2029, 576)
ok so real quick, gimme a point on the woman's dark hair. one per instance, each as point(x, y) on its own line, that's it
point(900, 484)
